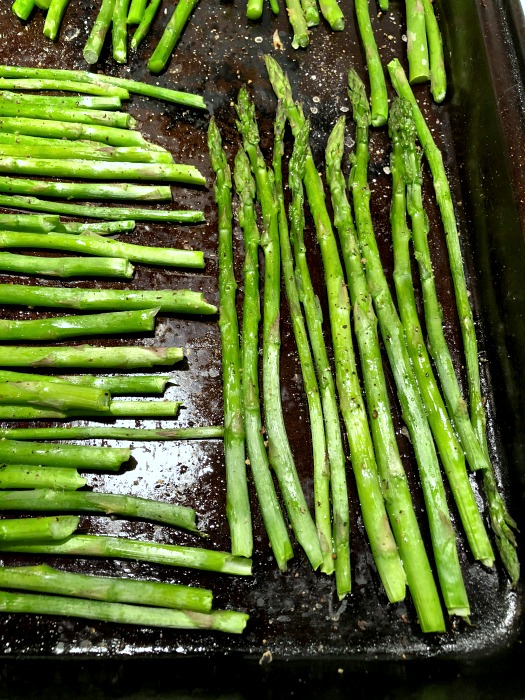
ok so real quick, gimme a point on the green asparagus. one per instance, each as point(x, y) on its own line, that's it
point(417, 46)
point(26, 476)
point(97, 36)
point(110, 433)
point(59, 396)
point(54, 17)
point(82, 190)
point(117, 408)
point(378, 93)
point(145, 24)
point(120, 31)
point(76, 456)
point(37, 529)
point(118, 384)
point(438, 76)
point(88, 356)
point(171, 35)
point(66, 267)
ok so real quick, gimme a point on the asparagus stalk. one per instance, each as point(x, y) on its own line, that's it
point(81, 190)
point(297, 19)
point(97, 36)
point(314, 321)
point(438, 76)
point(280, 453)
point(100, 101)
point(274, 6)
point(417, 46)
point(38, 529)
point(118, 384)
point(311, 388)
point(392, 474)
point(156, 91)
point(332, 13)
point(237, 497)
point(28, 222)
point(254, 9)
point(311, 13)
point(96, 87)
point(76, 456)
point(251, 316)
point(88, 356)
point(23, 8)
point(43, 4)
point(219, 620)
point(103, 228)
point(44, 579)
point(91, 244)
point(405, 167)
point(26, 476)
point(91, 502)
point(108, 213)
point(73, 326)
point(62, 397)
point(47, 149)
point(375, 519)
point(171, 35)
point(57, 129)
point(501, 521)
point(136, 11)
point(54, 17)
point(66, 267)
point(120, 31)
point(50, 112)
point(145, 24)
point(166, 300)
point(378, 93)
point(110, 433)
point(153, 552)
point(117, 408)
point(441, 529)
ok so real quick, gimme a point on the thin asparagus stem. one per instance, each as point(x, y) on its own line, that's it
point(37, 529)
point(104, 103)
point(23, 8)
point(119, 30)
point(501, 521)
point(118, 384)
point(91, 244)
point(62, 397)
point(237, 497)
point(49, 500)
point(75, 456)
point(297, 19)
point(103, 228)
point(88, 356)
point(311, 388)
point(73, 326)
point(274, 6)
point(97, 36)
point(375, 519)
point(117, 408)
point(54, 17)
point(166, 300)
point(251, 316)
point(53, 112)
point(280, 453)
point(417, 46)
point(136, 11)
point(153, 552)
point(441, 529)
point(97, 88)
point(66, 267)
point(171, 35)
point(110, 433)
point(332, 13)
point(145, 24)
point(219, 620)
point(438, 76)
point(28, 222)
point(83, 190)
point(26, 476)
point(46, 149)
point(311, 13)
point(44, 579)
point(391, 471)
point(254, 9)
point(378, 93)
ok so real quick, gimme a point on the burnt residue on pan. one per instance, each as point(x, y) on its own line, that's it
point(296, 614)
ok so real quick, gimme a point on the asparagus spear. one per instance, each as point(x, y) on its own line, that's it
point(118, 384)
point(96, 87)
point(311, 13)
point(28, 222)
point(314, 321)
point(54, 17)
point(254, 9)
point(92, 502)
point(108, 213)
point(156, 91)
point(81, 190)
point(405, 160)
point(274, 6)
point(50, 112)
point(237, 497)
point(332, 13)
point(171, 35)
point(88, 356)
point(66, 267)
point(110, 433)
point(145, 24)
point(392, 474)
point(311, 388)
point(103, 228)
point(438, 76)
point(378, 93)
point(227, 621)
point(76, 456)
point(117, 408)
point(298, 21)
point(153, 552)
point(251, 316)
point(23, 8)
point(136, 11)
point(41, 148)
point(73, 326)
point(120, 31)
point(99, 101)
point(91, 244)
point(38, 529)
point(44, 579)
point(97, 36)
point(26, 476)
point(166, 300)
point(417, 46)
point(501, 521)
point(375, 519)
point(62, 397)
point(280, 453)
point(441, 529)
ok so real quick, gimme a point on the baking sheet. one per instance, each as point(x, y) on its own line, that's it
point(295, 615)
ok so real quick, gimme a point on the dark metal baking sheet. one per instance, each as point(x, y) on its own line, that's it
point(480, 127)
